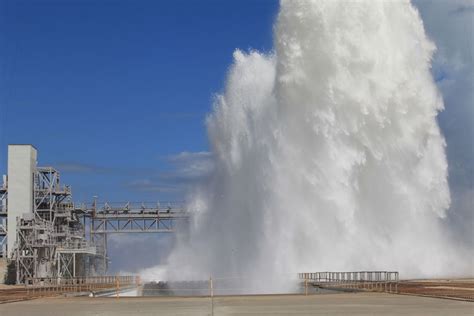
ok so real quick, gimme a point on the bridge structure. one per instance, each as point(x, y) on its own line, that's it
point(104, 219)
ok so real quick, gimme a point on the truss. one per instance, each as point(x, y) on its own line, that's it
point(152, 221)
point(130, 218)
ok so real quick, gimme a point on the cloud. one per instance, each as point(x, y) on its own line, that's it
point(148, 185)
point(187, 156)
point(187, 169)
point(84, 168)
point(461, 9)
point(75, 167)
point(190, 166)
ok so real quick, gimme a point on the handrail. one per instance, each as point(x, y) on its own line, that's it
point(381, 281)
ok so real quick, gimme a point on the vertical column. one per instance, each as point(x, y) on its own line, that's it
point(74, 265)
point(59, 265)
point(21, 169)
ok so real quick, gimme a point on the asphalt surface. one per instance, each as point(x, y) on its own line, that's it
point(323, 304)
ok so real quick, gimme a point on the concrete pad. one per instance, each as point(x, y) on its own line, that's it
point(324, 304)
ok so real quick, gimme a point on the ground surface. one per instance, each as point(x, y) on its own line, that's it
point(14, 293)
point(455, 288)
point(324, 304)
point(10, 293)
point(3, 270)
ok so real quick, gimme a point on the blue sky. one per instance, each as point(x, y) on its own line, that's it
point(115, 93)
point(110, 92)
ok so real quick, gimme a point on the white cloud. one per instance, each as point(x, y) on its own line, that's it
point(151, 186)
point(188, 168)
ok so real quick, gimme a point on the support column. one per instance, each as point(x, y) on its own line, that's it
point(59, 265)
point(74, 265)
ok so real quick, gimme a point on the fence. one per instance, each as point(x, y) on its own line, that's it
point(378, 281)
point(55, 286)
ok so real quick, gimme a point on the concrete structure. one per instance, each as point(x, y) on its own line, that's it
point(21, 168)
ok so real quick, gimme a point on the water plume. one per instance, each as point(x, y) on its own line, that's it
point(327, 154)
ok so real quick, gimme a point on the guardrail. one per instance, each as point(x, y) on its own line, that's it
point(378, 281)
point(54, 286)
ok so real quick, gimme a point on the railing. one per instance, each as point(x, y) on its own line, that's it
point(130, 207)
point(54, 286)
point(379, 281)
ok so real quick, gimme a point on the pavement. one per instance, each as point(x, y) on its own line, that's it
point(322, 304)
point(453, 288)
point(3, 270)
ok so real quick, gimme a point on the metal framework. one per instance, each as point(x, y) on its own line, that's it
point(51, 201)
point(52, 241)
